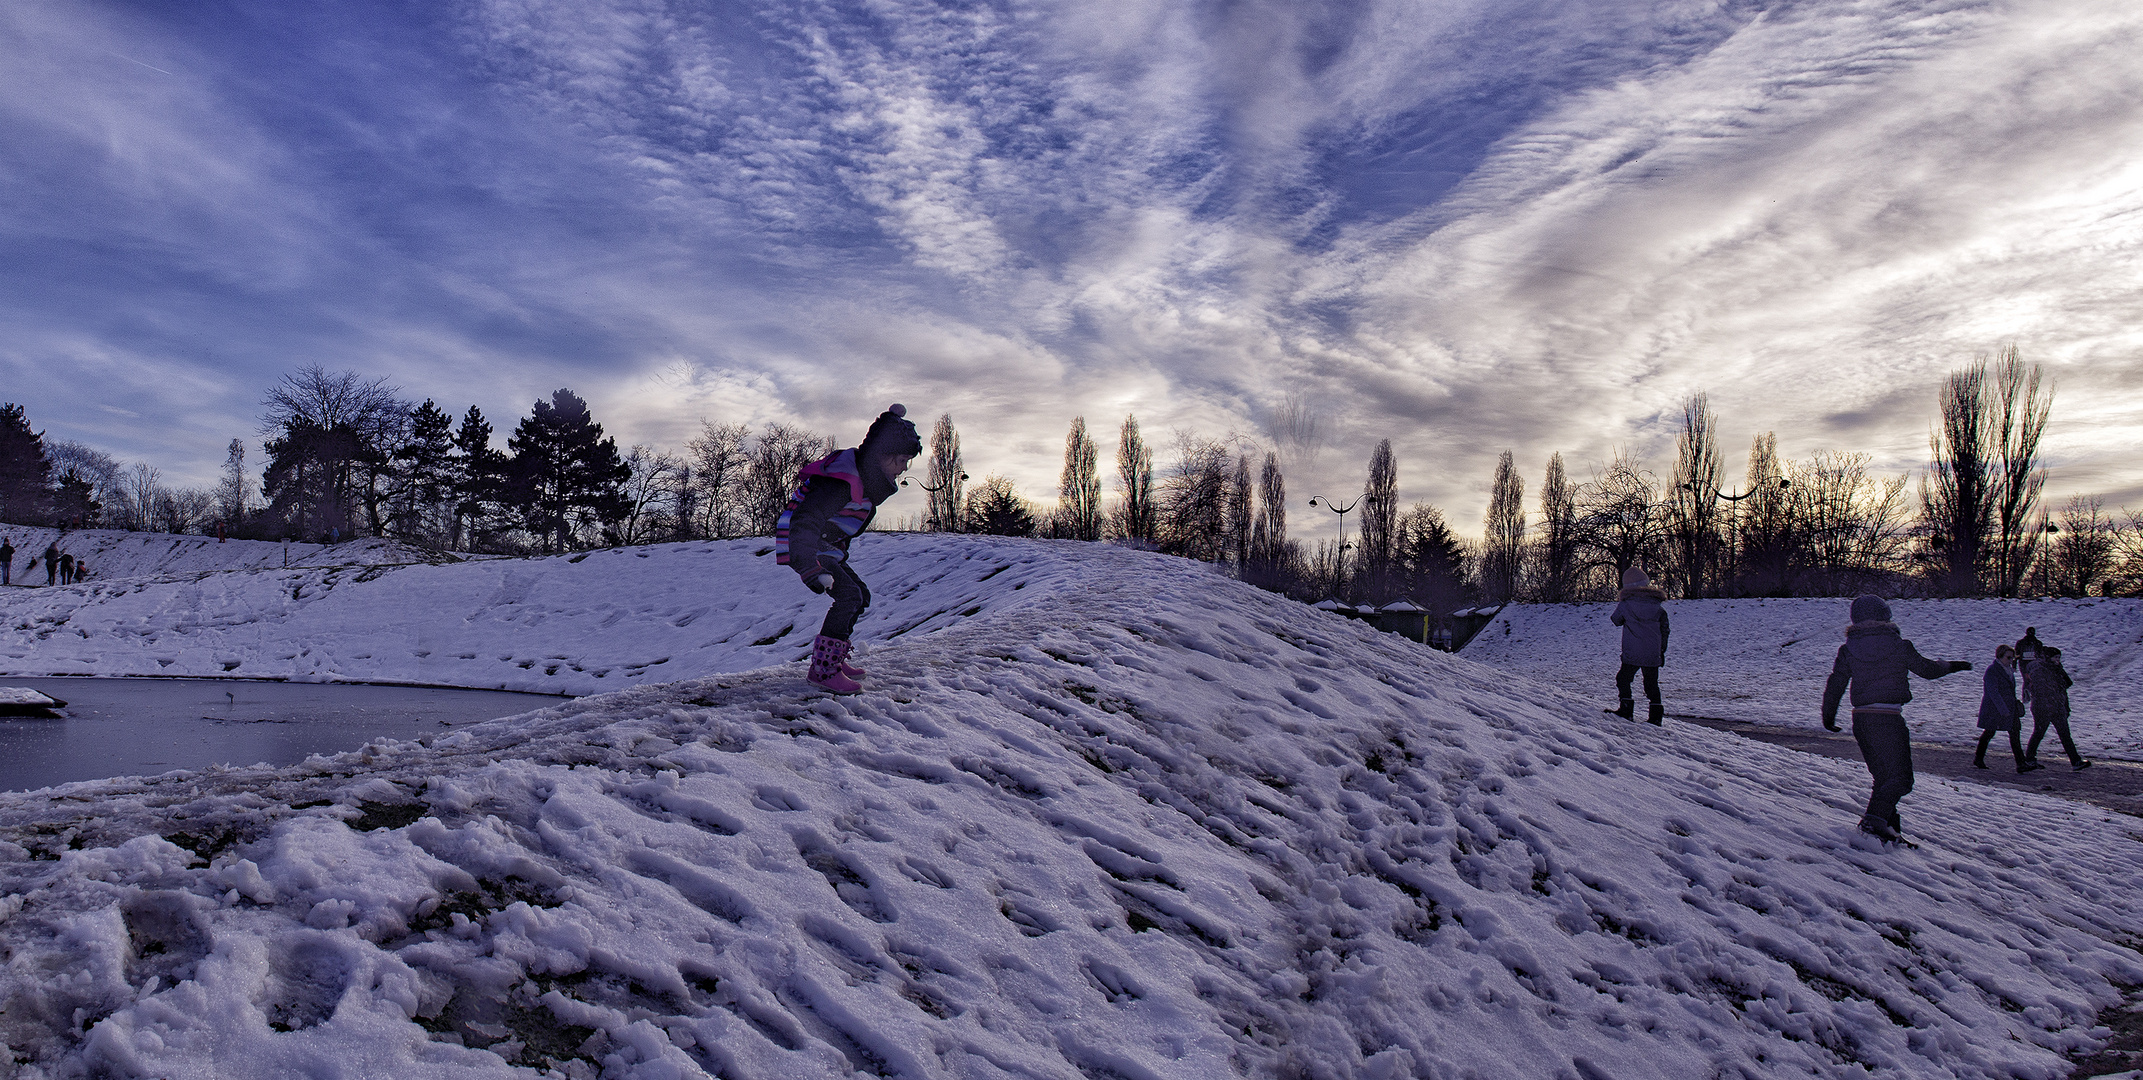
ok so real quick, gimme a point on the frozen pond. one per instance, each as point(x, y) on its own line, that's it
point(130, 727)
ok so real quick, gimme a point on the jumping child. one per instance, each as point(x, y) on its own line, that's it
point(835, 498)
point(1873, 662)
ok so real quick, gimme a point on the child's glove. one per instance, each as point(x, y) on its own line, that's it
point(1830, 723)
point(819, 583)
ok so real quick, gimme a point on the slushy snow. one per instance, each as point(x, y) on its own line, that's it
point(1765, 660)
point(1103, 814)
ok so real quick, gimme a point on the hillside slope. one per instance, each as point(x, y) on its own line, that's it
point(1126, 819)
point(1766, 660)
point(568, 624)
point(115, 553)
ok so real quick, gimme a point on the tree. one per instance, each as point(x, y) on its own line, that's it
point(1503, 535)
point(234, 490)
point(942, 513)
point(1770, 542)
point(1956, 496)
point(2017, 414)
point(1079, 488)
point(1273, 562)
point(719, 464)
point(25, 472)
point(1193, 503)
point(1433, 560)
point(1137, 518)
point(1380, 518)
point(1693, 500)
point(422, 501)
point(994, 508)
point(333, 435)
point(2084, 548)
point(1558, 535)
point(776, 457)
point(92, 476)
point(565, 476)
point(479, 483)
point(1618, 516)
point(652, 490)
point(1242, 498)
point(1850, 526)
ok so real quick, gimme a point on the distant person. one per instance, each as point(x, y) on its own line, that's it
point(52, 562)
point(81, 570)
point(66, 568)
point(835, 498)
point(1642, 615)
point(7, 561)
point(2050, 684)
point(2029, 645)
point(1999, 710)
point(1872, 663)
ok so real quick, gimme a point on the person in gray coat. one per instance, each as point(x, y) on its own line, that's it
point(1999, 710)
point(1642, 614)
point(1873, 663)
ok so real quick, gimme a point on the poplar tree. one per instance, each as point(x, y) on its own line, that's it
point(1503, 538)
point(1079, 489)
point(1137, 516)
point(942, 514)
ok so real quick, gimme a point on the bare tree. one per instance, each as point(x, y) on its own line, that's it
point(1272, 556)
point(1693, 500)
point(2017, 418)
point(1503, 534)
point(1768, 544)
point(720, 463)
point(1851, 526)
point(1137, 517)
point(333, 435)
point(943, 512)
point(1557, 581)
point(1620, 523)
point(1079, 489)
point(777, 456)
point(1956, 495)
point(650, 495)
point(1193, 502)
point(1380, 520)
point(2084, 550)
point(234, 489)
point(1242, 501)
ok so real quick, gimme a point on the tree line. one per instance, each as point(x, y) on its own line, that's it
point(348, 457)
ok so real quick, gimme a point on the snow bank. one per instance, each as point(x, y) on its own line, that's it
point(1766, 660)
point(113, 554)
point(570, 624)
point(1111, 817)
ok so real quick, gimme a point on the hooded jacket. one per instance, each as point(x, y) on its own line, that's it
point(835, 498)
point(1642, 615)
point(2049, 683)
point(1999, 709)
point(1874, 660)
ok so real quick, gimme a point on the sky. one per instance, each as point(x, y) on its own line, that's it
point(1532, 225)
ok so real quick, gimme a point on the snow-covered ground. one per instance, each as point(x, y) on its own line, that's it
point(113, 553)
point(1766, 660)
point(1104, 814)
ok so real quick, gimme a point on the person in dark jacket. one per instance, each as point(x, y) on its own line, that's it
point(1873, 663)
point(1999, 710)
point(52, 563)
point(2050, 683)
point(66, 568)
point(835, 499)
point(1642, 615)
point(7, 561)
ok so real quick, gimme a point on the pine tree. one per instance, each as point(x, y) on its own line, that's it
point(478, 479)
point(25, 472)
point(564, 474)
point(424, 476)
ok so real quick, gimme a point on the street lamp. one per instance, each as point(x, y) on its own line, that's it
point(1733, 533)
point(1339, 554)
point(906, 480)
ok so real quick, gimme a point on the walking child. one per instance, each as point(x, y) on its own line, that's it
point(1872, 664)
point(835, 498)
point(1643, 618)
point(1999, 710)
point(2050, 684)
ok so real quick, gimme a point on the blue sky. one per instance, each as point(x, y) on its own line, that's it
point(1463, 226)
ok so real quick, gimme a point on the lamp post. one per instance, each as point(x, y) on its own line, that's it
point(1733, 533)
point(1339, 554)
point(960, 479)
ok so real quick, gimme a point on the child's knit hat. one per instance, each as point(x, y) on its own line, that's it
point(892, 433)
point(1634, 578)
point(1871, 608)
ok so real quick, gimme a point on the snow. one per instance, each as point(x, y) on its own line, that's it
point(114, 553)
point(1766, 660)
point(1103, 814)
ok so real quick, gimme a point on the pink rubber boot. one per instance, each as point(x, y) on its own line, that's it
point(826, 666)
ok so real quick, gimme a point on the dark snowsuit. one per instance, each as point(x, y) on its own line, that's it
point(7, 563)
point(1873, 663)
point(2050, 684)
point(1999, 710)
point(52, 563)
point(66, 569)
point(1642, 615)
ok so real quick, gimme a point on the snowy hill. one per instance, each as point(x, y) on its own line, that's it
point(569, 624)
point(114, 554)
point(1766, 660)
point(1105, 815)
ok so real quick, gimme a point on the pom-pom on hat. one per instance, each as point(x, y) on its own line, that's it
point(892, 433)
point(1871, 608)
